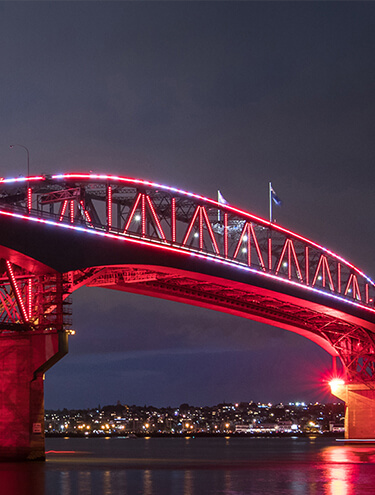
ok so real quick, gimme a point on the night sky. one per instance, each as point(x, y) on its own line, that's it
point(202, 96)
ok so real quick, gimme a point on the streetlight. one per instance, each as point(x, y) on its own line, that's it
point(28, 156)
point(28, 193)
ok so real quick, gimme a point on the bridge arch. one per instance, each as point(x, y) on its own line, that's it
point(60, 232)
point(137, 236)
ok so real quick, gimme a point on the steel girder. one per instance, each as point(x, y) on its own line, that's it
point(176, 221)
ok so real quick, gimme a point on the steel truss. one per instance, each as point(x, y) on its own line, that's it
point(355, 345)
point(167, 218)
point(32, 302)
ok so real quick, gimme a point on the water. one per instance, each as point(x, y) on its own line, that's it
point(194, 466)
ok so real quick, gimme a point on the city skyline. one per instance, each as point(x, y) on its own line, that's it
point(201, 96)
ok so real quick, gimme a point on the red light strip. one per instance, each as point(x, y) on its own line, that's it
point(173, 219)
point(317, 270)
point(259, 253)
point(86, 213)
point(338, 277)
point(191, 225)
point(30, 298)
point(307, 278)
point(29, 199)
point(273, 226)
point(248, 246)
point(323, 263)
point(226, 235)
point(190, 252)
point(143, 216)
point(240, 240)
point(132, 212)
point(109, 207)
point(17, 292)
point(366, 293)
point(355, 287)
point(22, 179)
point(270, 254)
point(293, 251)
point(328, 271)
point(63, 210)
point(282, 255)
point(153, 212)
point(200, 228)
point(71, 211)
point(210, 231)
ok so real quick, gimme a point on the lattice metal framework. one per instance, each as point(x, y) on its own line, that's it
point(177, 221)
point(32, 302)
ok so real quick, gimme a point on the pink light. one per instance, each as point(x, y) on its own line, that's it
point(226, 235)
point(293, 252)
point(259, 253)
point(269, 254)
point(17, 291)
point(210, 231)
point(21, 179)
point(109, 206)
point(85, 176)
point(86, 213)
point(71, 211)
point(153, 212)
point(29, 199)
point(63, 210)
point(143, 216)
point(200, 228)
point(191, 226)
point(307, 265)
point(323, 264)
point(30, 297)
point(190, 252)
point(173, 219)
point(352, 281)
point(240, 241)
point(132, 212)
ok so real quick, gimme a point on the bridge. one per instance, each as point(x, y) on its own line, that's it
point(60, 232)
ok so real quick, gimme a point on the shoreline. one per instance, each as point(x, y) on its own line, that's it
point(195, 435)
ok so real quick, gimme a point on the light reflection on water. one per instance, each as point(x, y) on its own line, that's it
point(238, 466)
point(342, 468)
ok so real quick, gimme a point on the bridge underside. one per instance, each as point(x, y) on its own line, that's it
point(34, 290)
point(332, 330)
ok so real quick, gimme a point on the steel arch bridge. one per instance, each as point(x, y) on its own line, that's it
point(60, 232)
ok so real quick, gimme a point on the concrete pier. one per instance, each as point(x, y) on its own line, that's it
point(24, 358)
point(360, 408)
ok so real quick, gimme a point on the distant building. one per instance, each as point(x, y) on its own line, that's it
point(336, 427)
point(242, 428)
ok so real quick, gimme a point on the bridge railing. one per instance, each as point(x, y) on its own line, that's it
point(169, 218)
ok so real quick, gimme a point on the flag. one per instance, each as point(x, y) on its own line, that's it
point(221, 199)
point(275, 197)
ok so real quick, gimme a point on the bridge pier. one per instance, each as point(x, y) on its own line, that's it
point(24, 358)
point(360, 408)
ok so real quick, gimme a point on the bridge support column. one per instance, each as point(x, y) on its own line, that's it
point(360, 408)
point(24, 358)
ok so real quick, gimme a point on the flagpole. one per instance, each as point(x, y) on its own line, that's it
point(218, 211)
point(270, 200)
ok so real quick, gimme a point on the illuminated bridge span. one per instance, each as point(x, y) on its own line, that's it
point(60, 232)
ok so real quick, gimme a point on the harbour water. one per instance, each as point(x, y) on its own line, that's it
point(194, 466)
